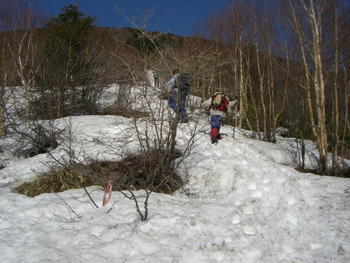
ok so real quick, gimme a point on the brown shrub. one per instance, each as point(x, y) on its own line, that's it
point(138, 171)
point(128, 113)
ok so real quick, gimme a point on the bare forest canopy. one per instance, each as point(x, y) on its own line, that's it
point(287, 62)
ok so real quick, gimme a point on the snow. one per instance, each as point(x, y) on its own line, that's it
point(243, 202)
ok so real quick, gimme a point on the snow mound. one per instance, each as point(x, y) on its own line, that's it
point(243, 202)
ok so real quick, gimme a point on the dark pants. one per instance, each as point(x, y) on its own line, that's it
point(215, 123)
point(156, 81)
point(178, 103)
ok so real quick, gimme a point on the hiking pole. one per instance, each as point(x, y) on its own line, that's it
point(234, 119)
point(233, 126)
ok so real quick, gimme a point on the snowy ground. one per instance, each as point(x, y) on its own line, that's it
point(243, 202)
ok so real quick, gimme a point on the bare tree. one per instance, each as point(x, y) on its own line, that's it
point(309, 19)
point(157, 134)
point(250, 38)
point(3, 84)
point(18, 20)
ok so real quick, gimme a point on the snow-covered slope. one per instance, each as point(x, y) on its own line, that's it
point(243, 202)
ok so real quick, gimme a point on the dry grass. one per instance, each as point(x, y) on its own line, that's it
point(139, 171)
point(128, 113)
point(345, 173)
point(57, 181)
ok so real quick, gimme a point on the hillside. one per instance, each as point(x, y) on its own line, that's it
point(243, 201)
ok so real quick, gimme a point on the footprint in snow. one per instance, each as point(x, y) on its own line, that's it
point(291, 201)
point(257, 194)
point(236, 220)
point(247, 209)
point(266, 181)
point(252, 186)
point(248, 230)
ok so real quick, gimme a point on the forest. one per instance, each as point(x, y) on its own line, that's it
point(286, 62)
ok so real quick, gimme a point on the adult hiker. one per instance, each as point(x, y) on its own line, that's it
point(155, 76)
point(178, 90)
point(219, 105)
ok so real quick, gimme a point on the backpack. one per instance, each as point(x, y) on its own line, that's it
point(182, 84)
point(219, 102)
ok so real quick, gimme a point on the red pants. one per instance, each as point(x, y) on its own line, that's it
point(214, 132)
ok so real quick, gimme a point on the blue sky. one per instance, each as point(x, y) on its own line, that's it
point(174, 16)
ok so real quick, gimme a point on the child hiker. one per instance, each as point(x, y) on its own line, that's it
point(219, 105)
point(155, 75)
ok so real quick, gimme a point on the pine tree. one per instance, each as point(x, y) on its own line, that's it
point(65, 49)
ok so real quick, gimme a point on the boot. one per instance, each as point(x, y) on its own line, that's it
point(214, 140)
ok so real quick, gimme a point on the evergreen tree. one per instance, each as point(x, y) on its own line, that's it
point(67, 39)
point(147, 43)
point(70, 59)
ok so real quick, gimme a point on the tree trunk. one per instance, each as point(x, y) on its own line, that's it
point(2, 111)
point(319, 86)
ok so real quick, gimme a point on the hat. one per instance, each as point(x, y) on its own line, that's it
point(217, 98)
